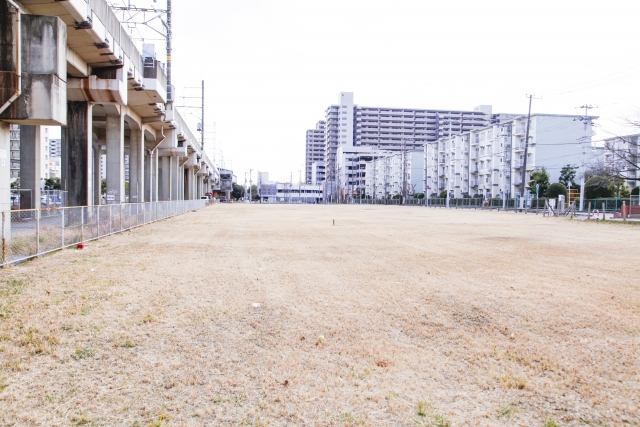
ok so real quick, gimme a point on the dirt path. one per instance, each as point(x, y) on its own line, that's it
point(394, 316)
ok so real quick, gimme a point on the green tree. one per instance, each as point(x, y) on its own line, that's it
point(52, 184)
point(443, 194)
point(635, 191)
point(420, 196)
point(598, 187)
point(254, 192)
point(237, 192)
point(103, 186)
point(541, 178)
point(619, 188)
point(556, 189)
point(568, 176)
point(15, 185)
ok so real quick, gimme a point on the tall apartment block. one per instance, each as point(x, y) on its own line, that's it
point(489, 161)
point(351, 129)
point(314, 149)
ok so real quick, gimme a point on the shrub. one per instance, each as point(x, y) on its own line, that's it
point(419, 196)
point(555, 190)
point(635, 191)
point(598, 187)
point(443, 194)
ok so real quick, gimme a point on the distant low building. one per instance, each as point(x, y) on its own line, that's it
point(286, 192)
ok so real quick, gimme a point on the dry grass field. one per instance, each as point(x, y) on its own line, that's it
point(391, 317)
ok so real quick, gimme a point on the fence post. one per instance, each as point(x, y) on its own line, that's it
point(4, 239)
point(81, 225)
point(624, 210)
point(62, 221)
point(37, 231)
point(604, 205)
point(110, 218)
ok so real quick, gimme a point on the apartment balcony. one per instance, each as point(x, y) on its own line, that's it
point(474, 184)
point(442, 174)
point(519, 147)
point(441, 186)
point(442, 160)
point(474, 171)
point(520, 130)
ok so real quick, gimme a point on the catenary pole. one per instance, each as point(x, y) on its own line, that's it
point(526, 150)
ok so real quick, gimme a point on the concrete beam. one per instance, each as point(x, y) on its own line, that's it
point(96, 90)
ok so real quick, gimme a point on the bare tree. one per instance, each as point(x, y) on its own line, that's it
point(621, 157)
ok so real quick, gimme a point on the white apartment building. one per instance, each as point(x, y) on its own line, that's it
point(387, 174)
point(621, 155)
point(14, 155)
point(317, 172)
point(314, 150)
point(352, 128)
point(489, 161)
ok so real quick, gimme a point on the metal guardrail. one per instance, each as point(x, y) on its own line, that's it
point(30, 233)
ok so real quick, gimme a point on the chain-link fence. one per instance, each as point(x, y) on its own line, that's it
point(34, 232)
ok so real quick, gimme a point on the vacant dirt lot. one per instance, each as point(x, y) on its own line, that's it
point(392, 316)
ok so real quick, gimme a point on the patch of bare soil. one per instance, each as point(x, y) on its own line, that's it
point(394, 316)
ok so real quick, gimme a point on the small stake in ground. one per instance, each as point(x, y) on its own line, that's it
point(334, 222)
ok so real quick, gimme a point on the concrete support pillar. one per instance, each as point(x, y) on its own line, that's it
point(76, 155)
point(164, 178)
point(155, 190)
point(5, 167)
point(136, 167)
point(97, 184)
point(147, 175)
point(115, 159)
point(30, 167)
point(188, 173)
point(175, 174)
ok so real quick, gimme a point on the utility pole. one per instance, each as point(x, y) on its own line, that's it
point(373, 194)
point(169, 48)
point(202, 125)
point(251, 185)
point(526, 150)
point(586, 120)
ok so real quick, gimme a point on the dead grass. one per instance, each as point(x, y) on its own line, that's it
point(392, 316)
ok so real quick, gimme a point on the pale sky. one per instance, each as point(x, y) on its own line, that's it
point(271, 67)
